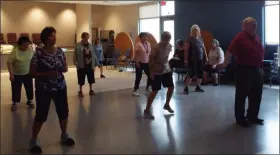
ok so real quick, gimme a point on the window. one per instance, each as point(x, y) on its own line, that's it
point(150, 25)
point(272, 23)
point(168, 9)
point(149, 11)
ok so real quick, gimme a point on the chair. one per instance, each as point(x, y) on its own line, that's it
point(2, 41)
point(24, 35)
point(221, 72)
point(11, 38)
point(36, 38)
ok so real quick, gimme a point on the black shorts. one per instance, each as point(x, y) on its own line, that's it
point(43, 101)
point(165, 79)
point(83, 73)
point(208, 68)
point(196, 69)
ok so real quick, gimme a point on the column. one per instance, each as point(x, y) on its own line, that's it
point(84, 21)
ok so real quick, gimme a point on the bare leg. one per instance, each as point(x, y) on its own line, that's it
point(215, 78)
point(36, 128)
point(198, 82)
point(90, 87)
point(205, 75)
point(169, 95)
point(150, 100)
point(63, 126)
point(101, 70)
point(187, 83)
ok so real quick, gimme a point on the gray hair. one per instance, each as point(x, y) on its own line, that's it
point(215, 41)
point(195, 26)
point(165, 36)
point(249, 20)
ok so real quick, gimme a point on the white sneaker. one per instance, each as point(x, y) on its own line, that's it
point(135, 93)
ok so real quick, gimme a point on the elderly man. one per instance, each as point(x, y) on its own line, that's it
point(247, 48)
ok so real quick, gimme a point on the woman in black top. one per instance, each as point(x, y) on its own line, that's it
point(178, 58)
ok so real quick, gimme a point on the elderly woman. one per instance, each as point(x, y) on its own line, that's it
point(215, 57)
point(97, 47)
point(85, 60)
point(178, 58)
point(142, 53)
point(18, 66)
point(47, 66)
point(194, 58)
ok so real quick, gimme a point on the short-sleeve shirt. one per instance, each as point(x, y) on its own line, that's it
point(216, 55)
point(248, 50)
point(196, 47)
point(45, 62)
point(159, 59)
point(20, 60)
point(142, 52)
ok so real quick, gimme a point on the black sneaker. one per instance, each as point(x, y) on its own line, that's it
point(215, 84)
point(14, 107)
point(102, 76)
point(256, 121)
point(34, 147)
point(243, 123)
point(186, 90)
point(168, 108)
point(148, 115)
point(66, 140)
point(30, 104)
point(198, 89)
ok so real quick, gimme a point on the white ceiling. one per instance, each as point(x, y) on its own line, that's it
point(106, 2)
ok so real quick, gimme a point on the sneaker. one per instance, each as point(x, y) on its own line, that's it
point(91, 92)
point(135, 93)
point(148, 115)
point(14, 107)
point(34, 147)
point(67, 140)
point(215, 84)
point(30, 104)
point(198, 89)
point(168, 108)
point(186, 90)
point(102, 76)
point(80, 94)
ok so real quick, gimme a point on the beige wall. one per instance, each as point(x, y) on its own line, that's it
point(32, 17)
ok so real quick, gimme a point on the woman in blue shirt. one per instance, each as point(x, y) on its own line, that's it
point(99, 55)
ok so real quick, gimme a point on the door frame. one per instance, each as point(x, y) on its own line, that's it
point(162, 20)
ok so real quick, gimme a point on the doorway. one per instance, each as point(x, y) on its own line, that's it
point(167, 24)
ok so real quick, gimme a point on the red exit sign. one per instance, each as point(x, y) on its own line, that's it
point(162, 3)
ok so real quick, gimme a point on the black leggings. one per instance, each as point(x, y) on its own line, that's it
point(43, 100)
point(27, 81)
point(143, 67)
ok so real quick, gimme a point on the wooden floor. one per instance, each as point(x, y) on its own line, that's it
point(111, 122)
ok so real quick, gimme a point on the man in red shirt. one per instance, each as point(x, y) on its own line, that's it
point(248, 51)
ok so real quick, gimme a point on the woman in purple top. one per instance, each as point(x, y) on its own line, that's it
point(47, 67)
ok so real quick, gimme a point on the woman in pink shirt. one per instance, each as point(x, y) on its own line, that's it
point(142, 53)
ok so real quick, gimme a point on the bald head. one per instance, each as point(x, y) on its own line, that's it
point(250, 25)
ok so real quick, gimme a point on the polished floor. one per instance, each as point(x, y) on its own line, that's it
point(111, 122)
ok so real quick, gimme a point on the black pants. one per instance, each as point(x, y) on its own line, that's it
point(43, 101)
point(143, 67)
point(249, 83)
point(83, 73)
point(27, 81)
